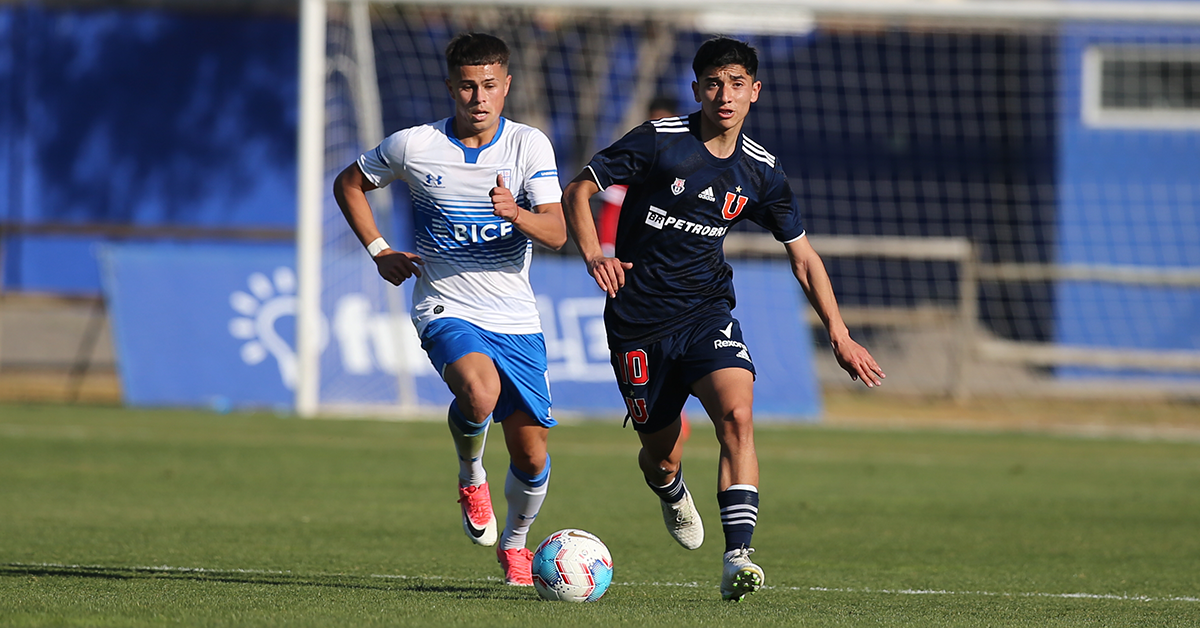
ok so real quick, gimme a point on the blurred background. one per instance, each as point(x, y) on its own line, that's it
point(1004, 194)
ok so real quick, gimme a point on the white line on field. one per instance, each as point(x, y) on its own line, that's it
point(270, 572)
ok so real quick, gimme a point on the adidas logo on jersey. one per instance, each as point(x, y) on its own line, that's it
point(707, 195)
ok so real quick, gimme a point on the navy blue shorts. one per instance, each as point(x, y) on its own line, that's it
point(657, 379)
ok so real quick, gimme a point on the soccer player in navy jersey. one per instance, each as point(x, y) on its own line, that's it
point(484, 188)
point(670, 328)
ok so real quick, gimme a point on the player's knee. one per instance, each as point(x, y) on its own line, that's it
point(477, 398)
point(736, 423)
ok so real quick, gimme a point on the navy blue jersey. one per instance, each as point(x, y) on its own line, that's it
point(681, 203)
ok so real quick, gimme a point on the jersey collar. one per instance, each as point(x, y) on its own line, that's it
point(694, 128)
point(471, 155)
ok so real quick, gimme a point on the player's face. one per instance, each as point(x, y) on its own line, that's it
point(725, 95)
point(478, 92)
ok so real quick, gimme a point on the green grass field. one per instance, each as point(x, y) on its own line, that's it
point(114, 517)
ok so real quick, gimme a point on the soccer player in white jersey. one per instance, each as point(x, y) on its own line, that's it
point(669, 317)
point(483, 189)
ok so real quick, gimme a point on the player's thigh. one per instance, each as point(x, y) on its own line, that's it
point(462, 355)
point(726, 393)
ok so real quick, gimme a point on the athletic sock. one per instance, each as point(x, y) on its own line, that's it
point(469, 441)
point(673, 491)
point(739, 514)
point(525, 494)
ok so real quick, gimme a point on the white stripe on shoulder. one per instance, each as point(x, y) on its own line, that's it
point(670, 125)
point(675, 121)
point(758, 152)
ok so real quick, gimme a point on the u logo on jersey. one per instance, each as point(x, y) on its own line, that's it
point(734, 204)
point(677, 186)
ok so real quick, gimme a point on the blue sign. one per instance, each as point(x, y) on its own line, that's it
point(214, 326)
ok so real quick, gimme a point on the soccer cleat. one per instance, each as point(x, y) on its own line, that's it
point(517, 565)
point(683, 521)
point(740, 575)
point(478, 520)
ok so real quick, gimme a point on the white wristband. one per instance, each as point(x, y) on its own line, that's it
point(377, 246)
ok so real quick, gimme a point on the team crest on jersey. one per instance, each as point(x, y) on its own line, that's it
point(707, 195)
point(506, 174)
point(677, 187)
point(734, 204)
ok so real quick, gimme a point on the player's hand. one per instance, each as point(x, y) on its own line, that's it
point(609, 273)
point(503, 203)
point(857, 361)
point(396, 266)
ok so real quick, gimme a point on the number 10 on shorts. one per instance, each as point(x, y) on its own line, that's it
point(635, 371)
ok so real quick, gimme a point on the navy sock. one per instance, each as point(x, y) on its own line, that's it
point(673, 492)
point(739, 514)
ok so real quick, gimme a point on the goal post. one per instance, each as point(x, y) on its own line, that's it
point(1049, 146)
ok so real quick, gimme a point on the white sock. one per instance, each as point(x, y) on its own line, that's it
point(470, 450)
point(525, 495)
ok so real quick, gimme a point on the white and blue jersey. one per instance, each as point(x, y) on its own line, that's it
point(476, 264)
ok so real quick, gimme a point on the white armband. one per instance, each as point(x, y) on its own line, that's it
point(377, 246)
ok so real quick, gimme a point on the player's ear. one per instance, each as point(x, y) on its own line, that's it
point(507, 81)
point(696, 90)
point(754, 90)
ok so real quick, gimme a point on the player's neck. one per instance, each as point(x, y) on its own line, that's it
point(472, 138)
point(721, 142)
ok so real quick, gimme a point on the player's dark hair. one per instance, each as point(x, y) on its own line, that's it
point(663, 102)
point(719, 52)
point(475, 49)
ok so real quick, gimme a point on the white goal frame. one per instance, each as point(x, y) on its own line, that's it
point(767, 16)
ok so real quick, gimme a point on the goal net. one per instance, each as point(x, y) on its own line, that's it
point(1004, 193)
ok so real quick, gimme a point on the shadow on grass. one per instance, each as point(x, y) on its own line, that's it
point(463, 590)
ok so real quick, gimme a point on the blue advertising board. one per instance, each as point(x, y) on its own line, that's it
point(208, 325)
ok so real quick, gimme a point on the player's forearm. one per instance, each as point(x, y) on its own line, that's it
point(578, 210)
point(818, 289)
point(544, 226)
point(352, 200)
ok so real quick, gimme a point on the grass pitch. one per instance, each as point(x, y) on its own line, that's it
point(121, 517)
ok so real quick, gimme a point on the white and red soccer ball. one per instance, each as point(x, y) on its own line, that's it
point(572, 566)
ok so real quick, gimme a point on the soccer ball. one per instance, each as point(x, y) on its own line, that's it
point(572, 566)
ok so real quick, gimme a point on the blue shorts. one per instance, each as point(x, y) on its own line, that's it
point(657, 379)
point(519, 358)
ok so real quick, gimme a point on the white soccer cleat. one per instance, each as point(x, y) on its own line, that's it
point(478, 521)
point(683, 521)
point(740, 576)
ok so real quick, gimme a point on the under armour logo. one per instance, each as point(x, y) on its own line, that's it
point(433, 180)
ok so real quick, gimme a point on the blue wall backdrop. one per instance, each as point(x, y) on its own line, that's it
point(1126, 198)
point(139, 117)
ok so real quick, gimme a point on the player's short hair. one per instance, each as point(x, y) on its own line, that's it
point(719, 52)
point(475, 49)
point(663, 102)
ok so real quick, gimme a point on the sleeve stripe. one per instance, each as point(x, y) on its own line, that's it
point(802, 234)
point(544, 173)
